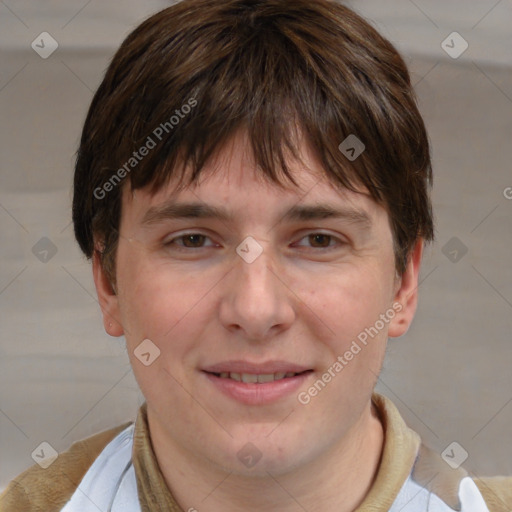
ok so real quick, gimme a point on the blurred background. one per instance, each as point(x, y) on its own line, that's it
point(62, 378)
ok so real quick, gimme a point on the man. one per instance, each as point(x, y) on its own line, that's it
point(252, 186)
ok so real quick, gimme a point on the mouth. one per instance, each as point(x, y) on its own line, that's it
point(257, 384)
point(257, 378)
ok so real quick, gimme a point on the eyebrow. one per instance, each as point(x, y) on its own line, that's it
point(193, 210)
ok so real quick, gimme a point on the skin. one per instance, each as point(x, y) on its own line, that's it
point(297, 302)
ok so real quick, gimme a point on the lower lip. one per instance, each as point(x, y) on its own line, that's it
point(251, 393)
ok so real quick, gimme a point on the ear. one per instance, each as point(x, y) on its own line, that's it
point(108, 299)
point(406, 294)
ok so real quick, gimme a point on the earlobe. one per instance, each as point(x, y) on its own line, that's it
point(406, 297)
point(107, 298)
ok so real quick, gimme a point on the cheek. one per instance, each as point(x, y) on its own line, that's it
point(347, 302)
point(164, 307)
point(362, 333)
point(160, 302)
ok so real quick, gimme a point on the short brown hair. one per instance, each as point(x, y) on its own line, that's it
point(264, 66)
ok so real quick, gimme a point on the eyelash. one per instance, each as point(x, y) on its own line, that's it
point(188, 249)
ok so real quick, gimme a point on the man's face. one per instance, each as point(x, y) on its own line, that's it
point(214, 313)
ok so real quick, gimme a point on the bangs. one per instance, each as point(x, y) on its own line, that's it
point(280, 101)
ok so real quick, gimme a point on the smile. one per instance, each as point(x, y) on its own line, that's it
point(255, 386)
point(256, 378)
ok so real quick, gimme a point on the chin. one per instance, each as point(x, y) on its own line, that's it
point(258, 458)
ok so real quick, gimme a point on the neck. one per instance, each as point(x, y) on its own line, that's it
point(338, 480)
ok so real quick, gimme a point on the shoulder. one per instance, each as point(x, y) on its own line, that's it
point(48, 490)
point(497, 492)
point(454, 487)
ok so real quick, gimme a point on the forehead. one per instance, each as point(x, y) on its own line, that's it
point(231, 186)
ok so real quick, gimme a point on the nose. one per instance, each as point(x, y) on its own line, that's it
point(256, 300)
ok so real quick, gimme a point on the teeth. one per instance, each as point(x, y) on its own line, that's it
point(249, 377)
point(268, 377)
point(256, 378)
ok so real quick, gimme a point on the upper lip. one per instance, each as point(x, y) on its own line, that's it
point(265, 368)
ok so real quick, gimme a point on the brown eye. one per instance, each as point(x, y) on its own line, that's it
point(188, 241)
point(194, 240)
point(321, 239)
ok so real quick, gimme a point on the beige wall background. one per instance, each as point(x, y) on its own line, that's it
point(62, 378)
